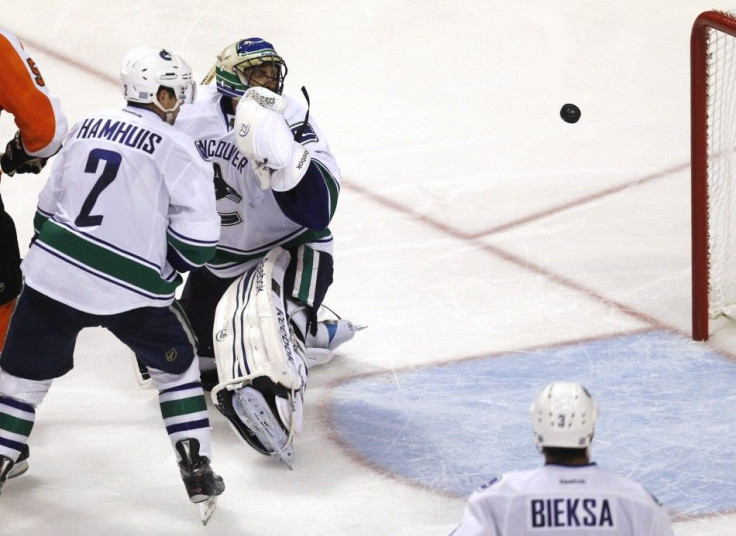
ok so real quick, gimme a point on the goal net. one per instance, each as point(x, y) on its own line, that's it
point(713, 165)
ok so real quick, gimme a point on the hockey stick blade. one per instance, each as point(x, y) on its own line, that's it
point(207, 508)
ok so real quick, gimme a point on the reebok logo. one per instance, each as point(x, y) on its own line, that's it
point(244, 129)
point(303, 159)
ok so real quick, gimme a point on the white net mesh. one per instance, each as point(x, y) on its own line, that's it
point(721, 171)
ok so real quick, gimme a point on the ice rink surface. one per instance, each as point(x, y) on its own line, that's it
point(489, 246)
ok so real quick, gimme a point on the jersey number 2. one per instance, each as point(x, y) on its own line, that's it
point(109, 172)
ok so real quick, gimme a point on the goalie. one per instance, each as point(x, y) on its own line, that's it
point(260, 359)
point(277, 184)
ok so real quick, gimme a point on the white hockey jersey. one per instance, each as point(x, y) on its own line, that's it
point(128, 195)
point(252, 221)
point(559, 500)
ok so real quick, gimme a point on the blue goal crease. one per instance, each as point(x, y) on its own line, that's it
point(667, 405)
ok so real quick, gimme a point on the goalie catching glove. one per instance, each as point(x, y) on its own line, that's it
point(264, 137)
point(16, 160)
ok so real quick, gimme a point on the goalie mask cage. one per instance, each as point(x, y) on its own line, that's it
point(713, 168)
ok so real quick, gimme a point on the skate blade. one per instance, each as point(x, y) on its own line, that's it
point(207, 508)
point(253, 410)
point(18, 469)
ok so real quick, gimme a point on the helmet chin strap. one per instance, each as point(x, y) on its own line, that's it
point(168, 112)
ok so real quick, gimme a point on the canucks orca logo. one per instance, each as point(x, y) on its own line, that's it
point(223, 189)
point(164, 55)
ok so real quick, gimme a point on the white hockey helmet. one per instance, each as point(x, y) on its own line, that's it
point(564, 415)
point(145, 69)
point(231, 69)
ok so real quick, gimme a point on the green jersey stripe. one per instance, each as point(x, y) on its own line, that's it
point(184, 406)
point(191, 252)
point(106, 261)
point(223, 257)
point(38, 221)
point(15, 425)
point(306, 275)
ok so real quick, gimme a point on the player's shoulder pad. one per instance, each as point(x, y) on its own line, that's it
point(492, 482)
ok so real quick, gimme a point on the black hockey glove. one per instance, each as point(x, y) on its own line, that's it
point(16, 160)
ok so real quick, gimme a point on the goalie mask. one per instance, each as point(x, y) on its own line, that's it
point(146, 69)
point(249, 63)
point(564, 415)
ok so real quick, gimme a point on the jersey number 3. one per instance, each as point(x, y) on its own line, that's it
point(109, 172)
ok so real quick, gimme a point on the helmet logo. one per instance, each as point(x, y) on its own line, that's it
point(164, 55)
point(242, 46)
point(244, 129)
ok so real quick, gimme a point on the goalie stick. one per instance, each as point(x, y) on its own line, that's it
point(210, 75)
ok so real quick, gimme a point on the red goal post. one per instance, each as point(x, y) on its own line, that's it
point(713, 169)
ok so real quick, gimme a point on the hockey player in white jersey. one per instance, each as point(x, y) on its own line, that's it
point(129, 204)
point(569, 495)
point(265, 208)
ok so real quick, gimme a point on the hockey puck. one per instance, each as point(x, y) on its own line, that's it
point(570, 113)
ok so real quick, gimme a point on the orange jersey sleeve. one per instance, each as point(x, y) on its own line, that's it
point(24, 94)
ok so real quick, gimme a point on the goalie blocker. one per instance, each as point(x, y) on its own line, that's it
point(260, 361)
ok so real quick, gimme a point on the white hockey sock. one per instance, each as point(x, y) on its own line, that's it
point(183, 407)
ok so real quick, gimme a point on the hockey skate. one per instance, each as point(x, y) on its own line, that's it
point(6, 465)
point(10, 469)
point(202, 484)
point(21, 464)
point(320, 348)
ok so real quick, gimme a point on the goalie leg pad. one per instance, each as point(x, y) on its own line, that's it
point(224, 404)
point(256, 414)
point(255, 349)
point(251, 332)
point(252, 414)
